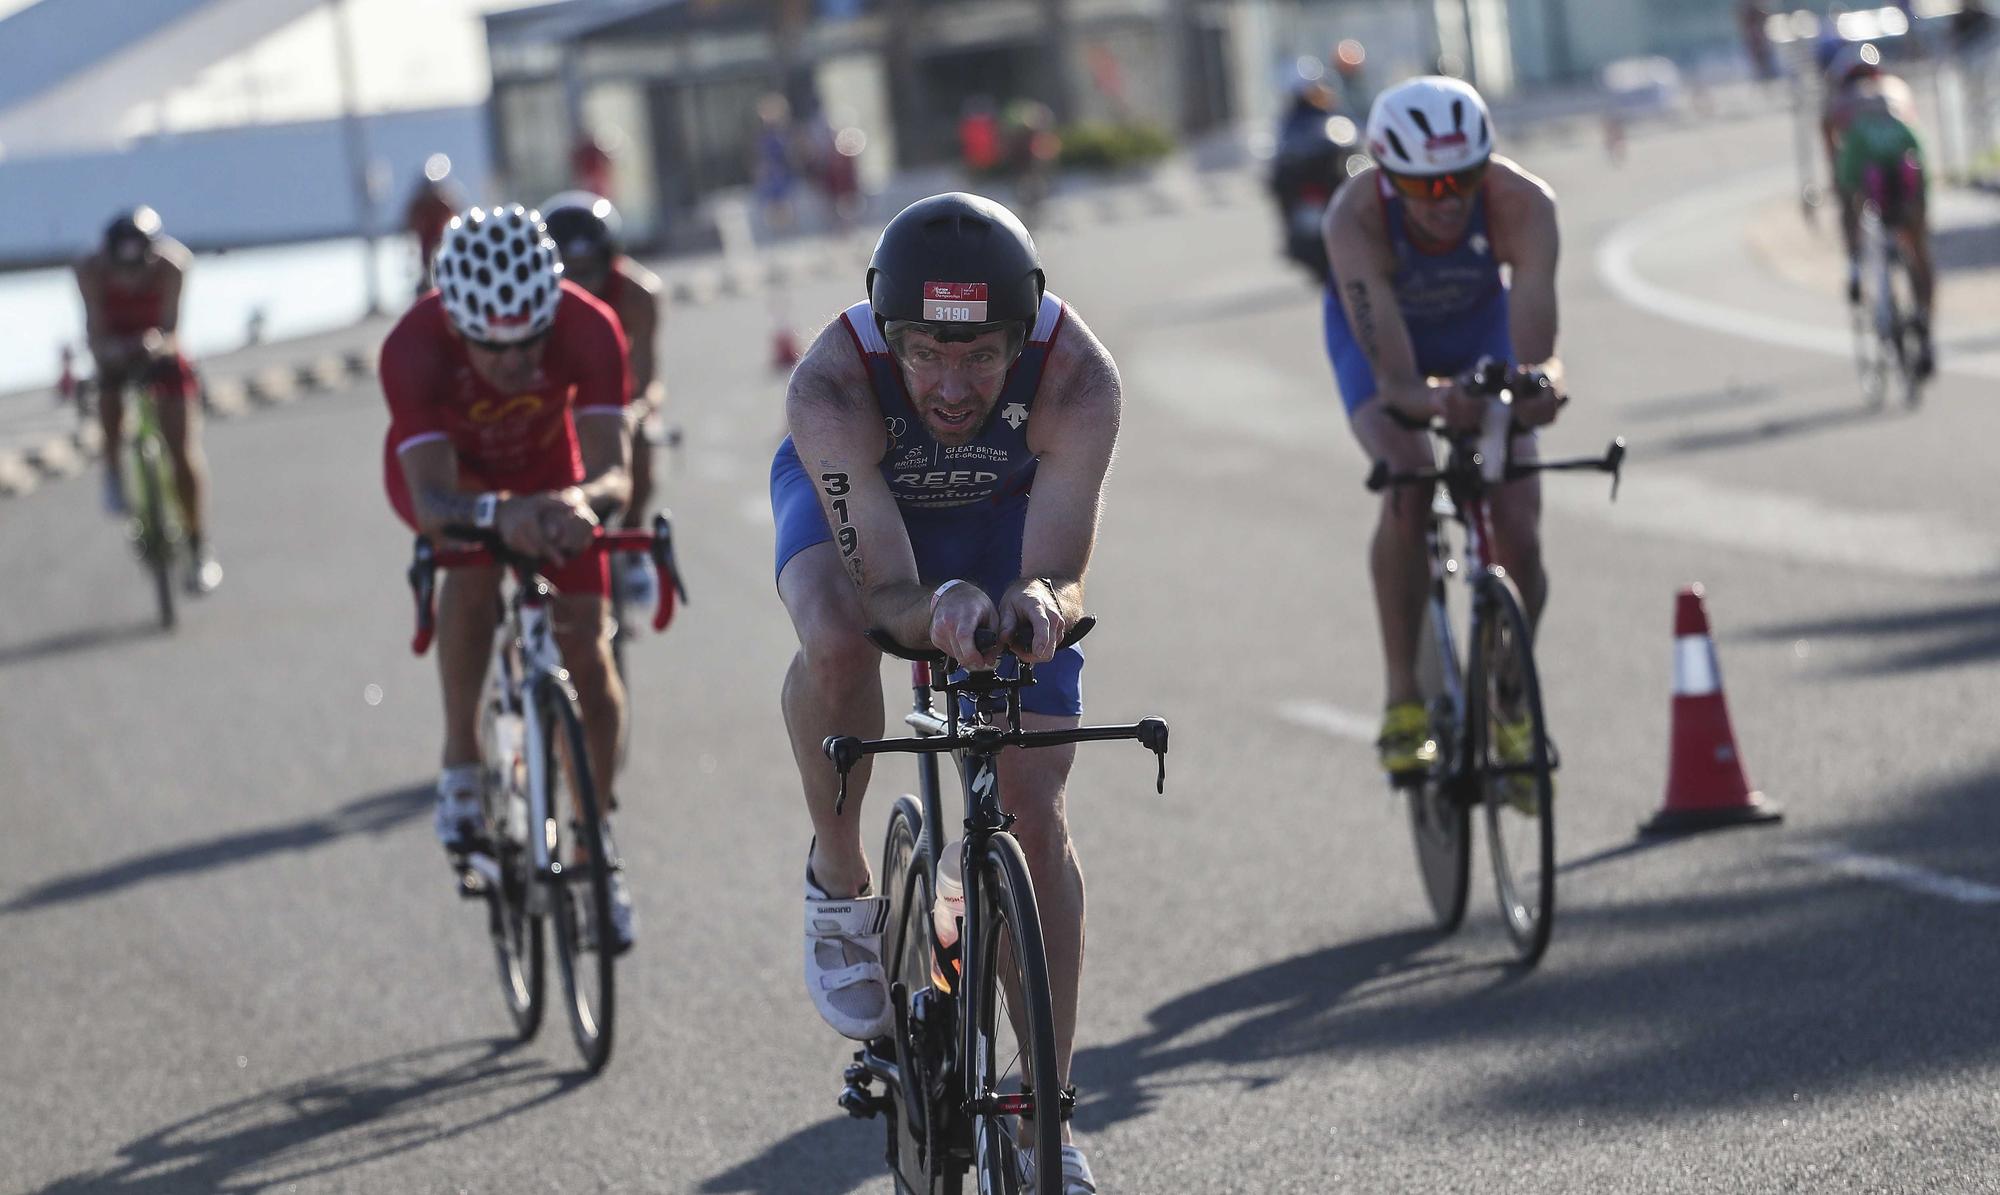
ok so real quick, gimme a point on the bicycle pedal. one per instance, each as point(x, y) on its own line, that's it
point(862, 1104)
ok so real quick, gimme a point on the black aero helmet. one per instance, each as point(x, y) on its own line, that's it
point(131, 231)
point(958, 264)
point(582, 223)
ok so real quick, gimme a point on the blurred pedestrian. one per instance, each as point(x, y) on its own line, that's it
point(774, 162)
point(1754, 16)
point(1032, 148)
point(590, 164)
point(433, 203)
point(979, 137)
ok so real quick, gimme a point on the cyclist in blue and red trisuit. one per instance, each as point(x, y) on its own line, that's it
point(950, 439)
point(1418, 297)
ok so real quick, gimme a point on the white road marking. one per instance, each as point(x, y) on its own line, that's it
point(1330, 720)
point(1616, 266)
point(1898, 874)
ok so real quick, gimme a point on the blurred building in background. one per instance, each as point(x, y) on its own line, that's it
point(672, 86)
point(238, 120)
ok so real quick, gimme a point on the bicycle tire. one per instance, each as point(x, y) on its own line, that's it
point(155, 542)
point(914, 1148)
point(1521, 825)
point(586, 965)
point(513, 921)
point(1909, 347)
point(1007, 914)
point(1440, 823)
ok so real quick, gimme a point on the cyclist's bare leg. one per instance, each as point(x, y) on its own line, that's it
point(180, 427)
point(1915, 237)
point(583, 635)
point(834, 686)
point(1517, 519)
point(1397, 555)
point(1032, 789)
point(635, 512)
point(111, 417)
point(468, 613)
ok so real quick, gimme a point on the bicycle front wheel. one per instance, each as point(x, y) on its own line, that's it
point(1515, 768)
point(1015, 1093)
point(513, 916)
point(922, 1044)
point(581, 894)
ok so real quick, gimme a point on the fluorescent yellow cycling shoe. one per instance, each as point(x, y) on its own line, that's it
point(1514, 744)
point(1405, 745)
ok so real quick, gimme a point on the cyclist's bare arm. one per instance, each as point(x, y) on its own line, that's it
point(173, 265)
point(1526, 240)
point(837, 429)
point(641, 316)
point(1364, 269)
point(1073, 432)
point(607, 459)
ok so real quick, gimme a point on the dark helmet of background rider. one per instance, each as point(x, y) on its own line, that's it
point(957, 264)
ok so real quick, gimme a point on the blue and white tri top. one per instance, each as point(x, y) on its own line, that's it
point(1435, 288)
point(996, 464)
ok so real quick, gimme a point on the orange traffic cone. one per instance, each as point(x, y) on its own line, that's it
point(1706, 787)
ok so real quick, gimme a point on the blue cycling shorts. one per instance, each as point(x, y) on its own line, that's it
point(980, 543)
point(1443, 350)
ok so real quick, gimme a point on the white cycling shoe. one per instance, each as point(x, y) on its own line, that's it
point(1076, 1176)
point(457, 817)
point(844, 972)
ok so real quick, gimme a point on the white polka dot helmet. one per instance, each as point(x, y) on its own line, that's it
point(499, 274)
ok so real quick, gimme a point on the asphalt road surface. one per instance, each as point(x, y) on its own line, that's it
point(233, 961)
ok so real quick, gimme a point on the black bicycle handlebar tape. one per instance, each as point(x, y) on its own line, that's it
point(423, 588)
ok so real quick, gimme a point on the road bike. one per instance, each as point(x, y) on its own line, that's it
point(624, 625)
point(1888, 342)
point(973, 1022)
point(1485, 706)
point(545, 855)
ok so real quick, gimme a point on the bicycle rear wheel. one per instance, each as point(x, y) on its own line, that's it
point(514, 919)
point(1514, 768)
point(581, 895)
point(1012, 1071)
point(1440, 827)
point(151, 531)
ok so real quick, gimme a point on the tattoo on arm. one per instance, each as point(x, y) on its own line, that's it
point(1362, 311)
point(836, 486)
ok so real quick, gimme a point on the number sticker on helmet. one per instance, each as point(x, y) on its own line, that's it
point(955, 302)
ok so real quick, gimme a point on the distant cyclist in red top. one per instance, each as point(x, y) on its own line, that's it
point(586, 230)
point(506, 391)
point(132, 312)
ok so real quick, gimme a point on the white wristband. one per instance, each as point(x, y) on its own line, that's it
point(941, 590)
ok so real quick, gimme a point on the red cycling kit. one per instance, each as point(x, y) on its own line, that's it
point(133, 310)
point(524, 443)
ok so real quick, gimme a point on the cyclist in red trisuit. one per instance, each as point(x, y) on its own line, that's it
point(132, 312)
point(506, 390)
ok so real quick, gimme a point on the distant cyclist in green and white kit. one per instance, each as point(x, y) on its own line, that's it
point(1870, 127)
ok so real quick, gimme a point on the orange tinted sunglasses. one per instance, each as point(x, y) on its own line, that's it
point(1438, 186)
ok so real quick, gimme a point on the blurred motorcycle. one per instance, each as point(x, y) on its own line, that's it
point(1317, 150)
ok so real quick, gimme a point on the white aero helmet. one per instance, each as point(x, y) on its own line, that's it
point(499, 275)
point(1429, 125)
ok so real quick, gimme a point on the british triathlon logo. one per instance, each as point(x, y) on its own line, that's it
point(1015, 414)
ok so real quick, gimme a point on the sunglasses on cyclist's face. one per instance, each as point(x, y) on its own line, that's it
point(1438, 186)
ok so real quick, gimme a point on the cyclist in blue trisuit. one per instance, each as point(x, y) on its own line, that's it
point(1418, 245)
point(950, 439)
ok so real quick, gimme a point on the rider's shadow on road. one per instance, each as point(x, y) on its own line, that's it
point(332, 1122)
point(1273, 1013)
point(375, 814)
point(833, 1157)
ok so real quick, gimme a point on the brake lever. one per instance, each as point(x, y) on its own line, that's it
point(1152, 735)
point(1614, 463)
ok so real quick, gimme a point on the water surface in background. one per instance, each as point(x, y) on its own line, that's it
point(299, 289)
